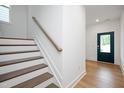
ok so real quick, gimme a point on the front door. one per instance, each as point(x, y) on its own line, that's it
point(105, 47)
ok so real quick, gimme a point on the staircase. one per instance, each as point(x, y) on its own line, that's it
point(22, 65)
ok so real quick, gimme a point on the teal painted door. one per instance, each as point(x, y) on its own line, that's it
point(105, 47)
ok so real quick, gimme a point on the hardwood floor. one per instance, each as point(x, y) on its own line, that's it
point(102, 75)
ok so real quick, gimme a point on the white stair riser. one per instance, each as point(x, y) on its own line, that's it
point(18, 56)
point(11, 41)
point(20, 79)
point(49, 81)
point(17, 48)
point(46, 83)
point(14, 67)
point(53, 80)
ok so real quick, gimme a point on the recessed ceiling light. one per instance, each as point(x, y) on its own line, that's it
point(97, 20)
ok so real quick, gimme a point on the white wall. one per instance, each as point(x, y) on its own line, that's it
point(91, 38)
point(1, 32)
point(50, 18)
point(18, 25)
point(66, 25)
point(122, 42)
point(73, 43)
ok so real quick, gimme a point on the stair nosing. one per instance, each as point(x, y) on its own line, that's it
point(18, 44)
point(13, 74)
point(5, 63)
point(16, 38)
point(34, 80)
point(17, 52)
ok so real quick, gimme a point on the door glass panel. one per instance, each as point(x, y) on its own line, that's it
point(105, 43)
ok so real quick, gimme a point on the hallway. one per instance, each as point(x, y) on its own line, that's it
point(102, 75)
point(47, 46)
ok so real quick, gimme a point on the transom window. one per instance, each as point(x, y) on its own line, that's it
point(5, 13)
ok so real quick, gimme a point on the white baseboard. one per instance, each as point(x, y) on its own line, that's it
point(122, 69)
point(102, 62)
point(76, 80)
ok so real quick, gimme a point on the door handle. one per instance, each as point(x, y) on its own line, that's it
point(97, 46)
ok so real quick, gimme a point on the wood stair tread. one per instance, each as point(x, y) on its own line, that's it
point(16, 52)
point(34, 81)
point(5, 63)
point(52, 85)
point(16, 38)
point(10, 75)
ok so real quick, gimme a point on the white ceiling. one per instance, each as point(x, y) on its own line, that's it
point(102, 12)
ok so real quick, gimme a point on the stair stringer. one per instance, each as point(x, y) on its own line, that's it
point(53, 69)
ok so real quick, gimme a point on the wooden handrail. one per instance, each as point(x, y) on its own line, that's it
point(50, 39)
